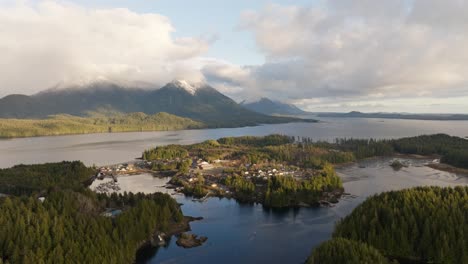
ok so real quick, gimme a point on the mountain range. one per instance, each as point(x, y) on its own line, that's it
point(357, 114)
point(199, 102)
point(270, 107)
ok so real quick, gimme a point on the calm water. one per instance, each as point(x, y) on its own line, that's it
point(248, 233)
point(251, 234)
point(103, 149)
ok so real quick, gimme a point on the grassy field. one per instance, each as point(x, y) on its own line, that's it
point(67, 124)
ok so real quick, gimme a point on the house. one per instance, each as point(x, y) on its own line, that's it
point(214, 185)
point(130, 167)
point(100, 175)
point(41, 199)
point(204, 165)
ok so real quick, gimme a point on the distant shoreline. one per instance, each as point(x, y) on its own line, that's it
point(448, 168)
point(422, 117)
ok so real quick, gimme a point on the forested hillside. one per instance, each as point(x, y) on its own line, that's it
point(68, 226)
point(419, 225)
point(202, 104)
point(340, 250)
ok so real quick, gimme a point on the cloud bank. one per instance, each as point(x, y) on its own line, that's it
point(343, 52)
point(48, 43)
point(336, 55)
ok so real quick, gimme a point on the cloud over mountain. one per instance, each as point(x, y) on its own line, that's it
point(331, 55)
point(46, 43)
point(345, 51)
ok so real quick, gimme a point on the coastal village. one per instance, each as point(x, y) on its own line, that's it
point(203, 178)
point(226, 172)
point(213, 173)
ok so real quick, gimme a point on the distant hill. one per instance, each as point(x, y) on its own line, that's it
point(356, 114)
point(199, 102)
point(269, 107)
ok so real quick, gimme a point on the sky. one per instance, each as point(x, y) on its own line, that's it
point(323, 55)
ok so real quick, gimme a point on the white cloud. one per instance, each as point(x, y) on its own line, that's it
point(46, 43)
point(362, 50)
point(340, 53)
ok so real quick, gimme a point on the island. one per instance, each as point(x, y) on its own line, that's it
point(272, 170)
point(95, 122)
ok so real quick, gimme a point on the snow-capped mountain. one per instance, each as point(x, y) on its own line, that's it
point(198, 101)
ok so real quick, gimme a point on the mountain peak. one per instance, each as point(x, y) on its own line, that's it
point(191, 88)
point(264, 99)
point(267, 106)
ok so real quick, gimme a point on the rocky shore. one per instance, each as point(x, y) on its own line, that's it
point(175, 229)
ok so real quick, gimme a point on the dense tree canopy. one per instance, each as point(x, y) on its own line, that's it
point(271, 140)
point(340, 250)
point(166, 152)
point(423, 223)
point(454, 150)
point(69, 226)
point(286, 191)
point(26, 179)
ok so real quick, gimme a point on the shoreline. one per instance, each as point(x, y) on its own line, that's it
point(436, 166)
point(174, 230)
point(448, 168)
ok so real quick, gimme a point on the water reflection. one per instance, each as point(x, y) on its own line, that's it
point(242, 233)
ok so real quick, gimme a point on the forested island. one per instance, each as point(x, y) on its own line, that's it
point(94, 123)
point(419, 225)
point(48, 215)
point(272, 170)
point(452, 150)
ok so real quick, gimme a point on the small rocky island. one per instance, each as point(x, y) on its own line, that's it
point(397, 165)
point(187, 240)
